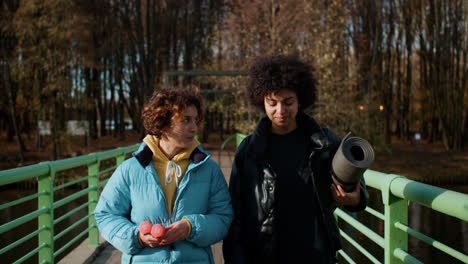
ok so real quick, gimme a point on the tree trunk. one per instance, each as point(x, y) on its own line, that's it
point(11, 103)
point(53, 128)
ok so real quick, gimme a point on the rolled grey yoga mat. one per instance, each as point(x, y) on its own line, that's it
point(351, 160)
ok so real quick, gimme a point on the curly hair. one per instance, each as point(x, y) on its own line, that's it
point(270, 74)
point(166, 105)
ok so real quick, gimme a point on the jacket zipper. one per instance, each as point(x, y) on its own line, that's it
point(176, 203)
point(178, 194)
point(160, 190)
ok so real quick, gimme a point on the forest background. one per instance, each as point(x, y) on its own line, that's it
point(386, 69)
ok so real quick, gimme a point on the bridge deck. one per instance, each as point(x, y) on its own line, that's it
point(107, 254)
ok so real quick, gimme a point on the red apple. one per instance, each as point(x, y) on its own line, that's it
point(145, 227)
point(158, 231)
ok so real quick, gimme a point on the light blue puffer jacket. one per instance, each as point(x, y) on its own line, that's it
point(133, 195)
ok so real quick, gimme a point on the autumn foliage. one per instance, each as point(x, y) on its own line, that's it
point(385, 68)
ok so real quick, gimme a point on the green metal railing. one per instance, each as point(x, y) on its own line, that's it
point(46, 175)
point(238, 136)
point(397, 191)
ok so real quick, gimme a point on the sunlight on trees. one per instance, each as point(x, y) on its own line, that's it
point(88, 60)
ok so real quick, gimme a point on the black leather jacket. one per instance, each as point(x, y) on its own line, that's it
point(252, 235)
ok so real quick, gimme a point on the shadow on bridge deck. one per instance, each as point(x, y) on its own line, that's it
point(105, 253)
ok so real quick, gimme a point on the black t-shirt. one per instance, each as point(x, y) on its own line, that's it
point(301, 232)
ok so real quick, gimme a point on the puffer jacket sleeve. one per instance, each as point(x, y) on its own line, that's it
point(113, 211)
point(209, 228)
point(233, 250)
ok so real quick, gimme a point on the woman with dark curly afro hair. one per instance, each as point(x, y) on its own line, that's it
point(170, 202)
point(281, 190)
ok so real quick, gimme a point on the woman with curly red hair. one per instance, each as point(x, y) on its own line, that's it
point(170, 181)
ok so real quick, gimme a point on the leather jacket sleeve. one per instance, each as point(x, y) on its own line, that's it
point(233, 249)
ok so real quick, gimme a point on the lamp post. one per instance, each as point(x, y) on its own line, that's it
point(417, 137)
point(402, 108)
point(382, 131)
point(361, 109)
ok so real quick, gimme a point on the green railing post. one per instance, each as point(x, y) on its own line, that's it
point(120, 158)
point(239, 138)
point(396, 211)
point(93, 196)
point(45, 183)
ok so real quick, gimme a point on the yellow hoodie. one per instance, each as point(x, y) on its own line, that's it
point(170, 172)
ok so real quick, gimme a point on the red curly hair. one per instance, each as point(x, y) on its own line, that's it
point(168, 104)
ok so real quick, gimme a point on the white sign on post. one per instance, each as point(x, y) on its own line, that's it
point(44, 128)
point(77, 127)
point(74, 127)
point(417, 136)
